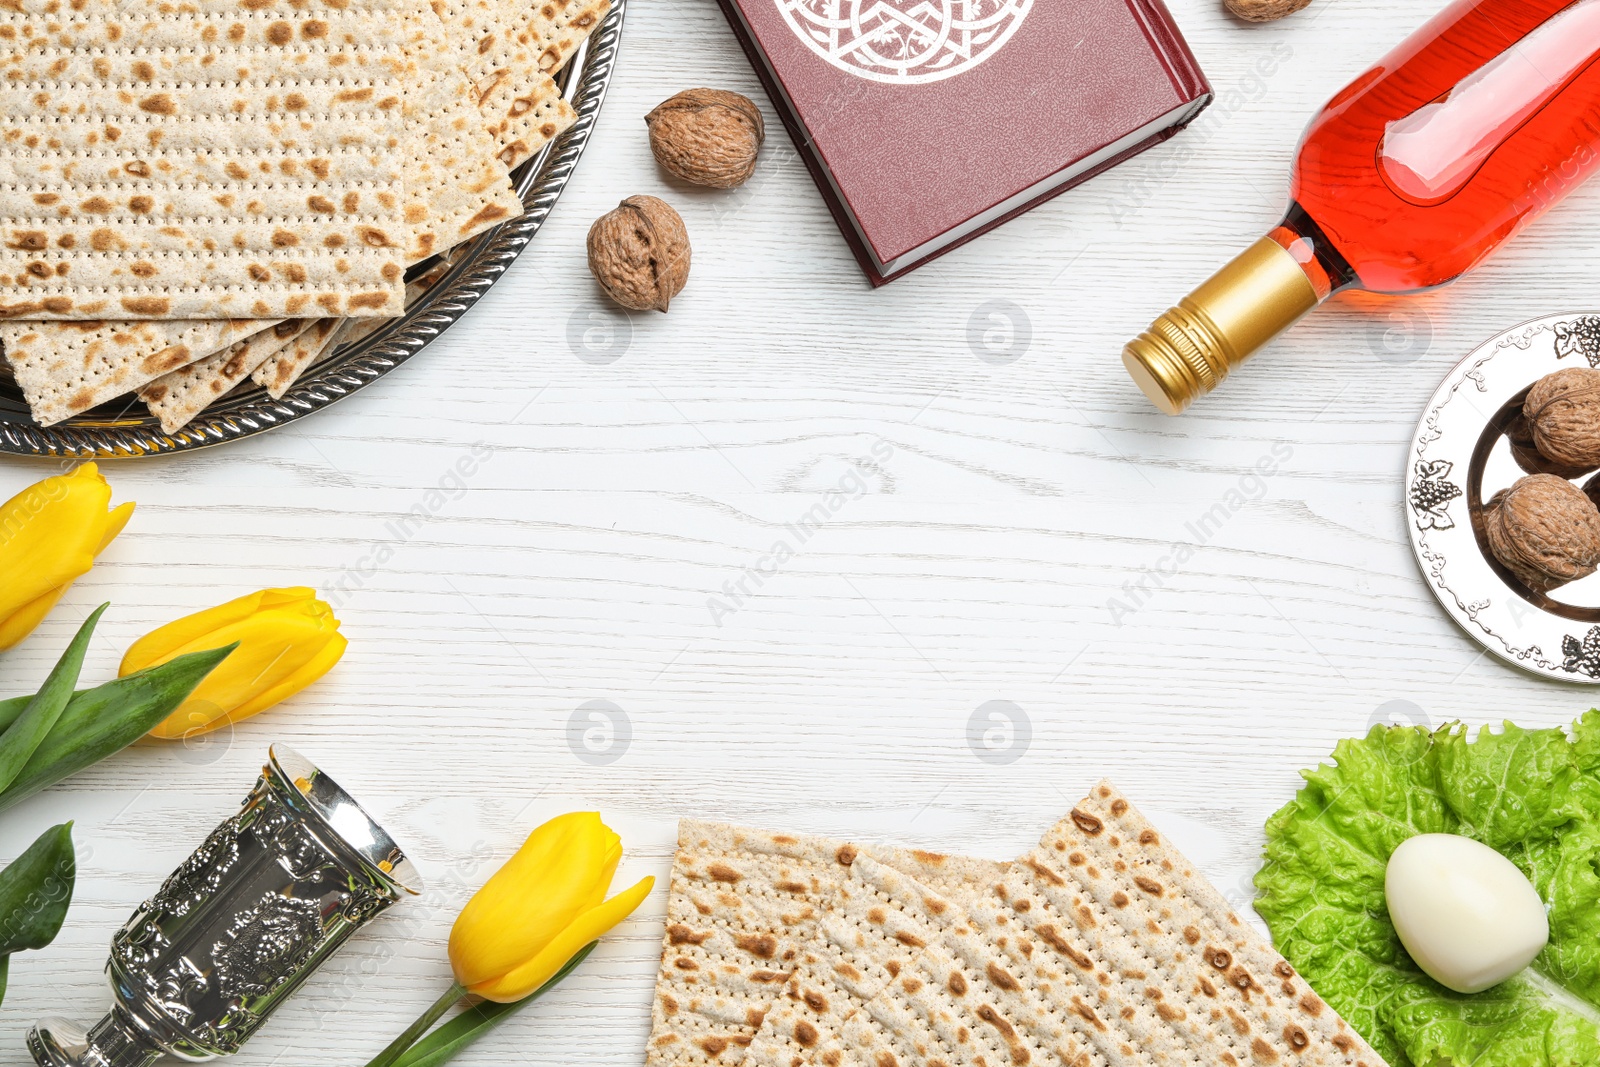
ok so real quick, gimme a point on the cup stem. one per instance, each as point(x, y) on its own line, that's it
point(113, 1042)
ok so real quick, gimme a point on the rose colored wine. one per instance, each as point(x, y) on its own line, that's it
point(1407, 179)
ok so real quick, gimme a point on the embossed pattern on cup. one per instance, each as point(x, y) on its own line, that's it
point(274, 891)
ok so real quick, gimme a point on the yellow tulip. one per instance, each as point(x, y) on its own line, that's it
point(537, 911)
point(287, 640)
point(535, 916)
point(50, 534)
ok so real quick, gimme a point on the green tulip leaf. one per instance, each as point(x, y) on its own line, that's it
point(455, 1035)
point(24, 736)
point(35, 892)
point(108, 718)
point(11, 709)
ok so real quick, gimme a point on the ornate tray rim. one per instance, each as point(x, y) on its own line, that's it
point(1518, 635)
point(475, 267)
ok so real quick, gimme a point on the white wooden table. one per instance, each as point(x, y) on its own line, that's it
point(612, 552)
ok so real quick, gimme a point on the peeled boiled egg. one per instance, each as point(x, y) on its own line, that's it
point(1466, 914)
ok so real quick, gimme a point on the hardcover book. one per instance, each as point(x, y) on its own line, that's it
point(928, 122)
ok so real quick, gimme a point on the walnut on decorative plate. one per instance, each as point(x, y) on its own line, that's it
point(1545, 530)
point(1563, 414)
point(1519, 434)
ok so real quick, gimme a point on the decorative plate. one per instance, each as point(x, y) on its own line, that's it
point(123, 428)
point(1459, 458)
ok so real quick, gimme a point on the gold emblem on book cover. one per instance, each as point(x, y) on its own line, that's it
point(905, 42)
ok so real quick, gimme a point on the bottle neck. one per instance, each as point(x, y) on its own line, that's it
point(1326, 270)
point(1265, 290)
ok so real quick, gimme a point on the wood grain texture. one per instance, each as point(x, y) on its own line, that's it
point(988, 513)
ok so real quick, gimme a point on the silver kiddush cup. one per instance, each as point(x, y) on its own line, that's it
point(274, 891)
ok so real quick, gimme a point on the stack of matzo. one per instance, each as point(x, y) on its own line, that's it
point(179, 179)
point(1103, 947)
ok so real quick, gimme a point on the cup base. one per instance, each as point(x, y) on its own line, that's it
point(57, 1042)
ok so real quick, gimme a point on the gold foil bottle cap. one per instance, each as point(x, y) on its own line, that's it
point(1191, 348)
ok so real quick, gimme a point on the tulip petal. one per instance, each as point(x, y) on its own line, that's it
point(171, 640)
point(50, 534)
point(25, 619)
point(190, 719)
point(267, 655)
point(540, 891)
point(587, 927)
point(608, 870)
point(115, 522)
point(316, 667)
point(287, 639)
point(331, 652)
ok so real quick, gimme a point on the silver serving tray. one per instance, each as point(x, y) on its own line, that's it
point(124, 428)
point(1459, 458)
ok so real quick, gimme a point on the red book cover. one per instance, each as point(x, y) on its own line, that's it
point(928, 122)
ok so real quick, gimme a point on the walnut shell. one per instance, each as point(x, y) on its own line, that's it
point(1545, 531)
point(1591, 489)
point(639, 253)
point(1519, 435)
point(1563, 411)
point(707, 137)
point(1264, 10)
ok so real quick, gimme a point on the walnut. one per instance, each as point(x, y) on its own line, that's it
point(1591, 489)
point(707, 137)
point(1519, 435)
point(1264, 10)
point(1545, 531)
point(639, 253)
point(1563, 412)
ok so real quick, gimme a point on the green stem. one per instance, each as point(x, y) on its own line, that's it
point(439, 1047)
point(398, 1046)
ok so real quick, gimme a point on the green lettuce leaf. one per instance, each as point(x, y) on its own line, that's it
point(1509, 788)
point(1534, 796)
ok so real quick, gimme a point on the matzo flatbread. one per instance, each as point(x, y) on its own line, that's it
point(948, 1009)
point(454, 189)
point(739, 904)
point(1125, 866)
point(509, 52)
point(878, 927)
point(952, 1001)
point(455, 186)
point(743, 908)
point(280, 370)
point(209, 160)
point(1108, 978)
point(66, 368)
point(178, 397)
point(1102, 948)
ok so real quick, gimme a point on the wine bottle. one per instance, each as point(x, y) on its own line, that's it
point(1407, 179)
